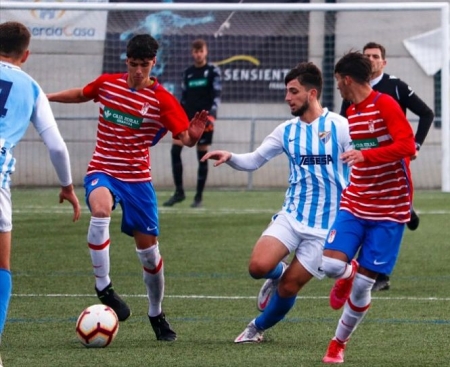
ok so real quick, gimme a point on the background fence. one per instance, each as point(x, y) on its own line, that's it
point(254, 47)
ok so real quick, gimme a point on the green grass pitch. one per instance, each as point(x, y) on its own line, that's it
point(209, 295)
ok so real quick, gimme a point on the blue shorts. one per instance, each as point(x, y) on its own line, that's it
point(137, 200)
point(378, 242)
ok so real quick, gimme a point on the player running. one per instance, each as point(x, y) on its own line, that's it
point(313, 142)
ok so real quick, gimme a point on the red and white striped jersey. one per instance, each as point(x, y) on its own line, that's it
point(380, 187)
point(129, 123)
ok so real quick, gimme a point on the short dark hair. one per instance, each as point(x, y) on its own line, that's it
point(142, 46)
point(14, 39)
point(198, 44)
point(308, 75)
point(376, 45)
point(355, 65)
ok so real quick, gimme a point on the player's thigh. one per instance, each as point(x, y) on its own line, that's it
point(346, 234)
point(310, 250)
point(5, 210)
point(99, 194)
point(267, 253)
point(139, 209)
point(5, 228)
point(381, 247)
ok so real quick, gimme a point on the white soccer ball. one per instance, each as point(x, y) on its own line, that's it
point(97, 326)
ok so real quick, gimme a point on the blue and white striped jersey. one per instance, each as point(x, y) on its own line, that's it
point(317, 174)
point(21, 101)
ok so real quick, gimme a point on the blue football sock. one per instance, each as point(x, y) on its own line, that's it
point(275, 311)
point(5, 295)
point(275, 273)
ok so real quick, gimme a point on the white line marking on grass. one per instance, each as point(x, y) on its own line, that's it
point(200, 211)
point(194, 296)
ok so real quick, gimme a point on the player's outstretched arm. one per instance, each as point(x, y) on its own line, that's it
point(74, 95)
point(221, 156)
point(68, 193)
point(197, 125)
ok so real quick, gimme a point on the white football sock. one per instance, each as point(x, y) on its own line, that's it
point(153, 273)
point(98, 242)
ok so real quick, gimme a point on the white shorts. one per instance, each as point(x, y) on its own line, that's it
point(306, 242)
point(5, 210)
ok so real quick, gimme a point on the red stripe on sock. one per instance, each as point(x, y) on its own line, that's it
point(99, 247)
point(356, 308)
point(155, 270)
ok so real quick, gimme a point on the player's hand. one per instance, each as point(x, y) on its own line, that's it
point(68, 193)
point(197, 125)
point(352, 156)
point(413, 157)
point(221, 156)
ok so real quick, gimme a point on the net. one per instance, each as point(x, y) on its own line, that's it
point(254, 50)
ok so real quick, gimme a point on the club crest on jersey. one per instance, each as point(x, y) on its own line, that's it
point(371, 125)
point(145, 108)
point(324, 136)
point(331, 236)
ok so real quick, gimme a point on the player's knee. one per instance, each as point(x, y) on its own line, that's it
point(333, 268)
point(100, 212)
point(150, 258)
point(362, 287)
point(257, 269)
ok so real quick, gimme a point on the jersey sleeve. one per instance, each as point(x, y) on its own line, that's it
point(173, 116)
point(399, 129)
point(42, 117)
point(272, 145)
point(91, 90)
point(416, 105)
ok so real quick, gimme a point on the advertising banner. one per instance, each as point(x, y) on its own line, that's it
point(254, 50)
point(61, 24)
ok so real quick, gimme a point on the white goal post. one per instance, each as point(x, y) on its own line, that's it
point(354, 24)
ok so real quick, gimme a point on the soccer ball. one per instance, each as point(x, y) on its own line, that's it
point(97, 326)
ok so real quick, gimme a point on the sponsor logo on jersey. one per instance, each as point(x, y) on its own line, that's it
point(363, 144)
point(198, 83)
point(313, 160)
point(121, 118)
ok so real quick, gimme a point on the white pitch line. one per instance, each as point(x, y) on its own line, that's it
point(59, 210)
point(194, 296)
